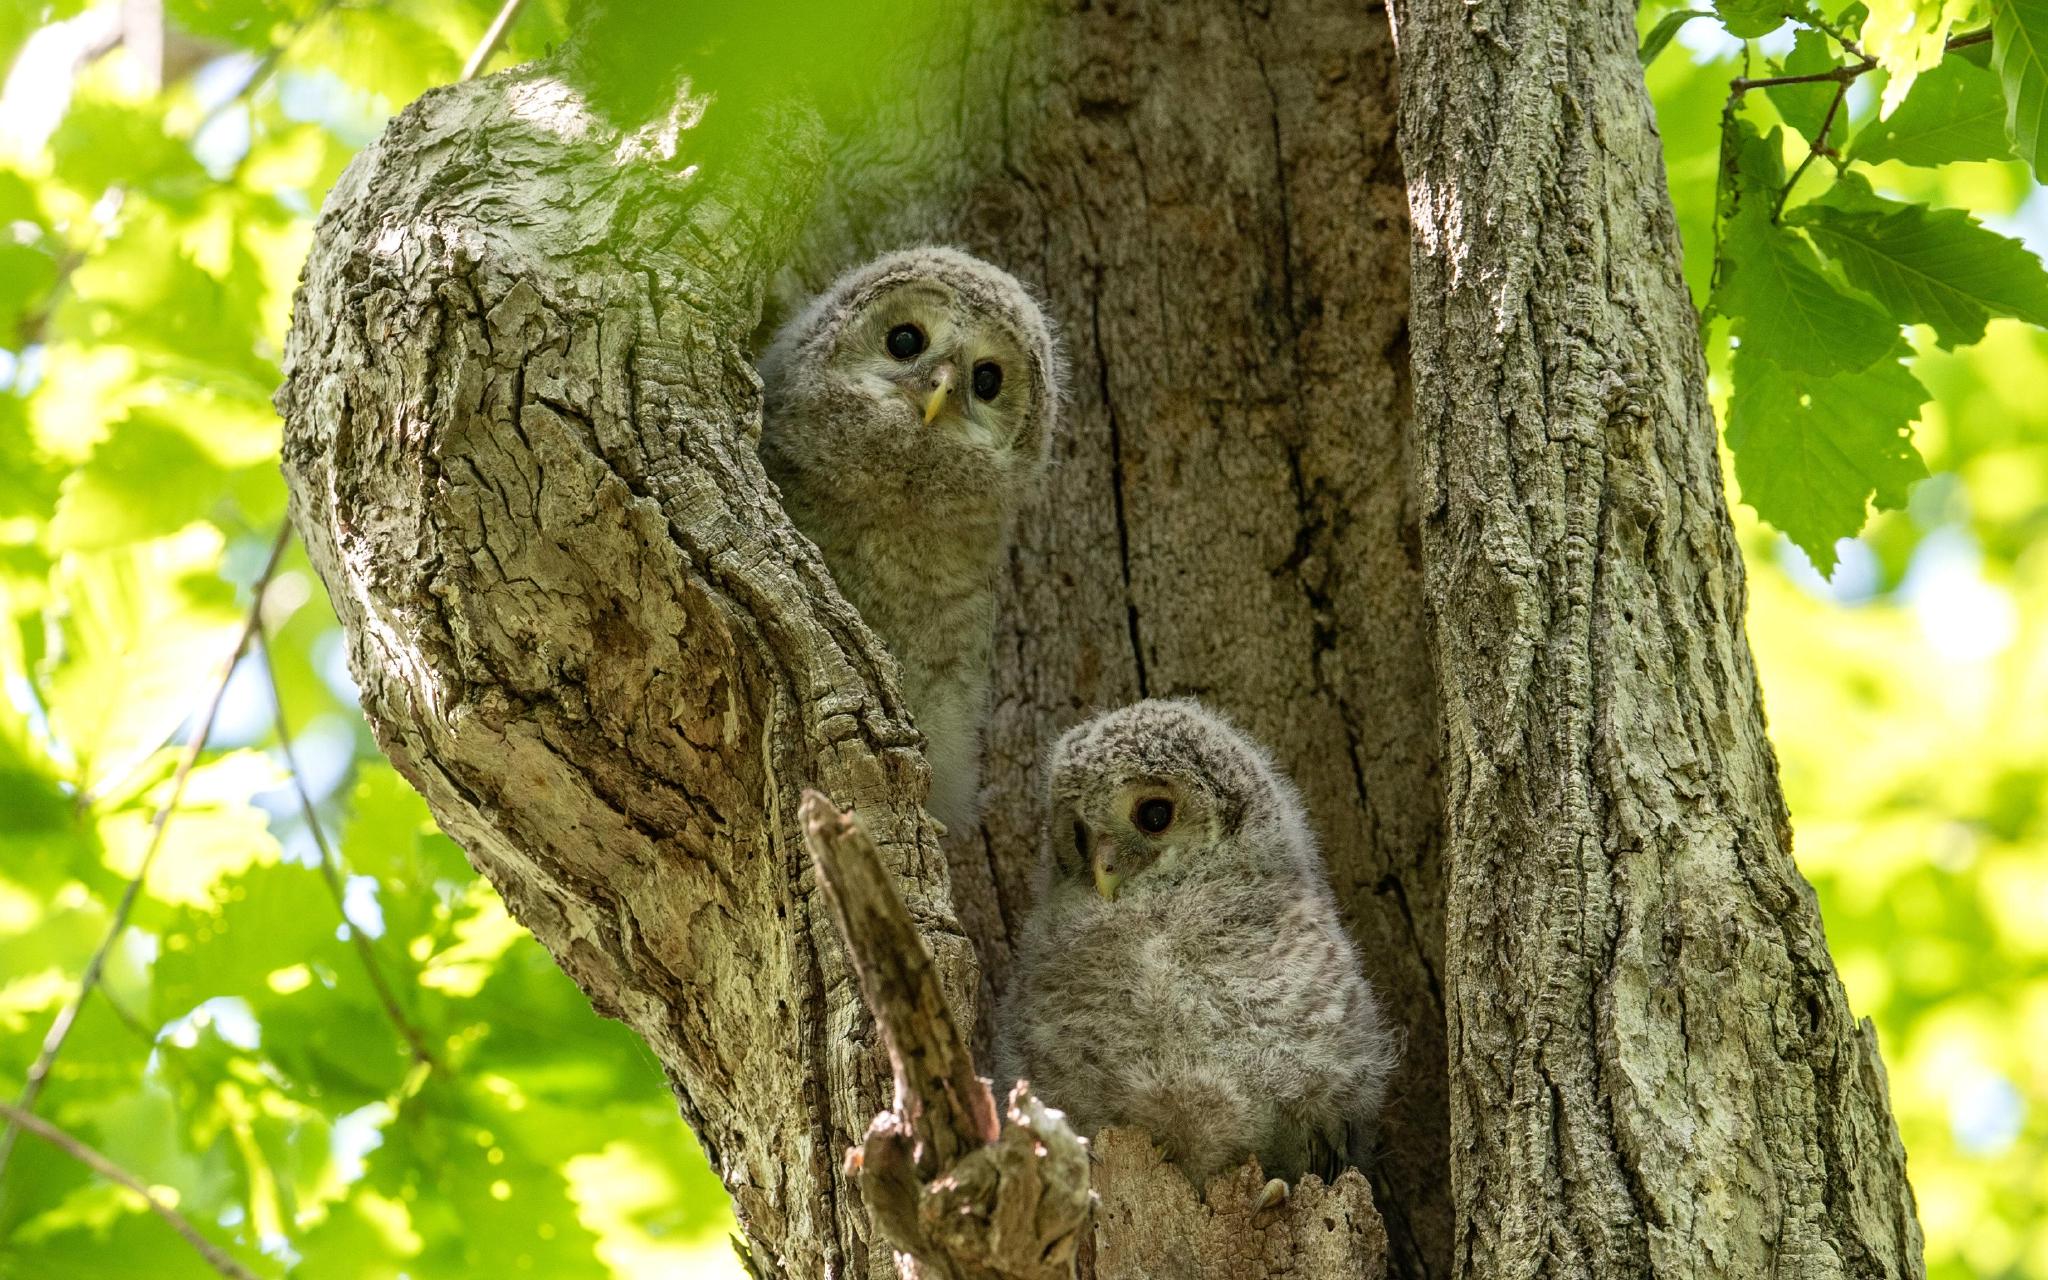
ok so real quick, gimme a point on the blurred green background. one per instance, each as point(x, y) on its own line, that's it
point(419, 1091)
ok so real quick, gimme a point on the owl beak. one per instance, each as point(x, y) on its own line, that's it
point(942, 382)
point(1107, 879)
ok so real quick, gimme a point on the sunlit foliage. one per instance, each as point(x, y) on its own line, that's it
point(353, 1064)
point(1808, 273)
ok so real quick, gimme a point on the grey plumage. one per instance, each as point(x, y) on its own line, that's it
point(1196, 982)
point(908, 477)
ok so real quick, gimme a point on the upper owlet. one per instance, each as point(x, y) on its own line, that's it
point(909, 413)
point(1184, 969)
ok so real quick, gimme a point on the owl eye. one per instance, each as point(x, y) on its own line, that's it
point(905, 341)
point(988, 379)
point(1153, 816)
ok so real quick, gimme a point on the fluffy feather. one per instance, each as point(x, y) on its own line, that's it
point(1194, 981)
point(913, 515)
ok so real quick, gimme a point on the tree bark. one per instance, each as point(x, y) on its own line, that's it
point(1653, 1070)
point(520, 439)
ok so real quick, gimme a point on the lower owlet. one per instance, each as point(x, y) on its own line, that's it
point(908, 415)
point(1184, 969)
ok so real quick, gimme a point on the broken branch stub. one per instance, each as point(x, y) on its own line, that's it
point(961, 1193)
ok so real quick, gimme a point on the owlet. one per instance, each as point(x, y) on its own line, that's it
point(909, 413)
point(1183, 968)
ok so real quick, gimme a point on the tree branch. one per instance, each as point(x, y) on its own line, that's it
point(1843, 75)
point(215, 1256)
point(522, 458)
point(67, 1017)
point(1820, 144)
point(492, 35)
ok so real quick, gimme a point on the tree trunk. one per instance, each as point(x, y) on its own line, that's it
point(520, 437)
point(1654, 1071)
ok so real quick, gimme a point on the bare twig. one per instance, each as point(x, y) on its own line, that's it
point(489, 44)
point(330, 867)
point(67, 1018)
point(1820, 144)
point(1843, 75)
point(215, 1256)
point(934, 1068)
point(1839, 36)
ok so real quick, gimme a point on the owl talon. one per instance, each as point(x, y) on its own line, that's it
point(1271, 1194)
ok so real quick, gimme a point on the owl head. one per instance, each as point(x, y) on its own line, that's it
point(1146, 796)
point(930, 371)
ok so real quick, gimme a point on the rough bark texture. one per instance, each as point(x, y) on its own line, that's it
point(1653, 1071)
point(968, 1195)
point(520, 439)
point(1150, 1225)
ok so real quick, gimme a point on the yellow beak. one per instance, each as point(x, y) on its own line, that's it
point(1107, 882)
point(942, 382)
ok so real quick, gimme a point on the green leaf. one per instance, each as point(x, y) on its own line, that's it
point(1812, 452)
point(1956, 111)
point(2019, 49)
point(1805, 106)
point(485, 1207)
point(1773, 288)
point(357, 1240)
point(103, 144)
point(215, 834)
point(386, 832)
point(270, 919)
point(144, 291)
point(1748, 19)
point(144, 480)
point(140, 626)
point(26, 273)
point(1667, 27)
point(131, 1245)
point(1906, 37)
point(1758, 164)
point(1933, 266)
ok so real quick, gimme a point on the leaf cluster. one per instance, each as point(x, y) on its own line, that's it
point(1816, 275)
